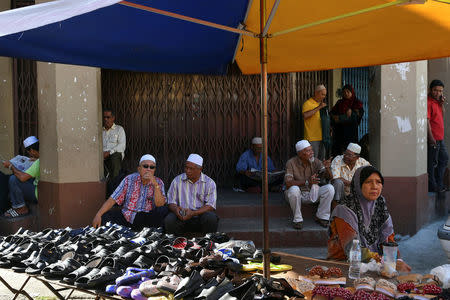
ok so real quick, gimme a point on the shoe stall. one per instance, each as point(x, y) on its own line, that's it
point(113, 262)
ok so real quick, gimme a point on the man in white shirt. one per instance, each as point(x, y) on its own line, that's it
point(343, 167)
point(113, 144)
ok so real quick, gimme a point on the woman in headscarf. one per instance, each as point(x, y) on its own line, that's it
point(346, 115)
point(363, 216)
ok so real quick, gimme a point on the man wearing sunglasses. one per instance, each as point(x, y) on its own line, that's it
point(141, 197)
point(114, 141)
point(192, 200)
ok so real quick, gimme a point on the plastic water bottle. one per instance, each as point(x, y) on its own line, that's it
point(355, 260)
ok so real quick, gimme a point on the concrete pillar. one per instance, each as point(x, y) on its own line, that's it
point(70, 190)
point(397, 107)
point(440, 69)
point(6, 101)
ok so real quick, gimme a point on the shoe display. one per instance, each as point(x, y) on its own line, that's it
point(139, 265)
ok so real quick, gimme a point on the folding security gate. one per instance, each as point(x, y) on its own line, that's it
point(359, 79)
point(25, 95)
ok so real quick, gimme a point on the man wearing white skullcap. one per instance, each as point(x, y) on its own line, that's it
point(312, 117)
point(306, 182)
point(22, 185)
point(114, 144)
point(192, 200)
point(249, 164)
point(141, 197)
point(343, 168)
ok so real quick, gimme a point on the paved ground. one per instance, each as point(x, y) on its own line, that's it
point(422, 251)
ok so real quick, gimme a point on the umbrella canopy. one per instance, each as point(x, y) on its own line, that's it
point(123, 35)
point(385, 35)
point(106, 34)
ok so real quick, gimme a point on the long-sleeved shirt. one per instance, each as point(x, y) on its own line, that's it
point(193, 195)
point(247, 162)
point(114, 139)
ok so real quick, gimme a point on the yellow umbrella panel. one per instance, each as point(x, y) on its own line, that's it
point(388, 34)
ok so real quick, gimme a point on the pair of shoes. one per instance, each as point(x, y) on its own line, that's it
point(15, 213)
point(297, 225)
point(322, 222)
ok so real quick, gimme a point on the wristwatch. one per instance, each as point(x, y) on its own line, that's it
point(306, 183)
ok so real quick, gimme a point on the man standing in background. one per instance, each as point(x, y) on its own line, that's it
point(437, 152)
point(312, 120)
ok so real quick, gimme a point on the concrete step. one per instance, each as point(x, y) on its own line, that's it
point(30, 222)
point(244, 205)
point(281, 232)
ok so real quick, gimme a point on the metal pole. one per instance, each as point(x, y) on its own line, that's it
point(265, 187)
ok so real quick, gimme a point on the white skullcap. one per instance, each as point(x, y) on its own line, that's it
point(355, 148)
point(320, 87)
point(256, 141)
point(302, 145)
point(196, 159)
point(147, 157)
point(30, 141)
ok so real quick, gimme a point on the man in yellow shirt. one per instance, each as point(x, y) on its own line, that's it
point(311, 116)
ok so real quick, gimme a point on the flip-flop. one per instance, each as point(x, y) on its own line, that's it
point(260, 266)
point(14, 214)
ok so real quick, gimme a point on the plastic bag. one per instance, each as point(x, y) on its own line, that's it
point(443, 273)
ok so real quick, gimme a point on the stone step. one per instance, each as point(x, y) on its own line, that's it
point(244, 205)
point(12, 225)
point(281, 232)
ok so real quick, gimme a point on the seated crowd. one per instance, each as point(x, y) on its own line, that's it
point(348, 183)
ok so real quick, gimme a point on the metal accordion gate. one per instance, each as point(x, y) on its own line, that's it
point(359, 79)
point(25, 95)
point(171, 116)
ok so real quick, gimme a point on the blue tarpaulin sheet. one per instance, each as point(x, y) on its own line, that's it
point(122, 37)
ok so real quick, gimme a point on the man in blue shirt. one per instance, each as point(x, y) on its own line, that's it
point(249, 169)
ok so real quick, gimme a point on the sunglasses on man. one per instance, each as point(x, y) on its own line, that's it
point(149, 167)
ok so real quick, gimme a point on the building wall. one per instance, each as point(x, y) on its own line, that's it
point(6, 101)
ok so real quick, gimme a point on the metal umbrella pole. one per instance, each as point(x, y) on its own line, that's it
point(265, 186)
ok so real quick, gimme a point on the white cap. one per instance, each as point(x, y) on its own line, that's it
point(355, 148)
point(256, 141)
point(196, 159)
point(147, 157)
point(30, 141)
point(320, 87)
point(302, 145)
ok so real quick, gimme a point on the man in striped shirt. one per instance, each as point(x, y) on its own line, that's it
point(192, 200)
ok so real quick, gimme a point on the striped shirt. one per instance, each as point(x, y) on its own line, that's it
point(135, 197)
point(187, 194)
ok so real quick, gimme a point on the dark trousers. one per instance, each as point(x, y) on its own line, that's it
point(112, 165)
point(437, 162)
point(154, 218)
point(4, 191)
point(206, 222)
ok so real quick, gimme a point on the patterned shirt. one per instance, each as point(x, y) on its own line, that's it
point(187, 194)
point(247, 162)
point(135, 197)
point(114, 139)
point(340, 169)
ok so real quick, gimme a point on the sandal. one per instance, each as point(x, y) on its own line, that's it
point(12, 213)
